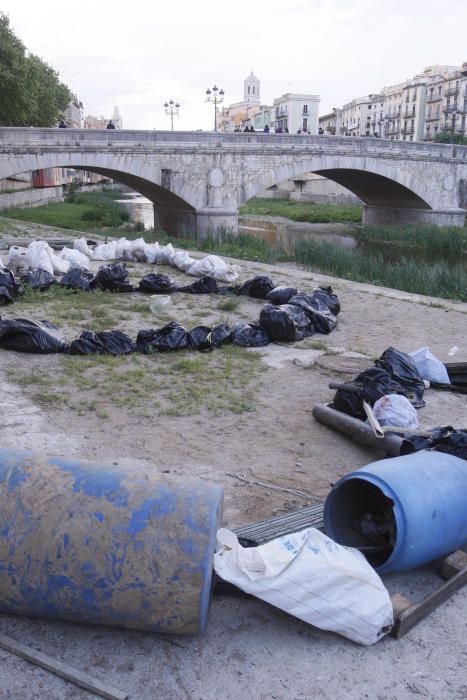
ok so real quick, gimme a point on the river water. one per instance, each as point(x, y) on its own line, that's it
point(283, 233)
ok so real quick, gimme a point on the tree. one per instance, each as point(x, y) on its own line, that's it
point(31, 92)
point(448, 137)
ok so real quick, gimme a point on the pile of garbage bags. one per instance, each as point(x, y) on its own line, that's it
point(394, 387)
point(40, 256)
point(283, 322)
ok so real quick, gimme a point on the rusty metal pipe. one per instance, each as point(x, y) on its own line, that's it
point(357, 429)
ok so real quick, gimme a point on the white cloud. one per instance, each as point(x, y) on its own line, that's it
point(138, 55)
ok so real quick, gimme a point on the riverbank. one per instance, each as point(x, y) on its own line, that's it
point(419, 259)
point(200, 416)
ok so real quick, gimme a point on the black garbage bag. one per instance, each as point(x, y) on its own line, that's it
point(319, 313)
point(281, 295)
point(205, 339)
point(113, 278)
point(285, 322)
point(172, 336)
point(205, 285)
point(78, 279)
point(228, 289)
point(249, 335)
point(157, 284)
point(30, 336)
point(444, 439)
point(258, 287)
point(197, 336)
point(5, 296)
point(103, 343)
point(402, 368)
point(370, 385)
point(327, 296)
point(7, 280)
point(38, 279)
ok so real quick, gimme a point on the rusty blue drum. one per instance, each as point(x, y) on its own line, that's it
point(103, 545)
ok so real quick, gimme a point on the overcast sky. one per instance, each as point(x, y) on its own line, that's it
point(138, 55)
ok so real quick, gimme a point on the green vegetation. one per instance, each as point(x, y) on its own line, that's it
point(430, 239)
point(411, 275)
point(87, 212)
point(31, 92)
point(448, 137)
point(303, 211)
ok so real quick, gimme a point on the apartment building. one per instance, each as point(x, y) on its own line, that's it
point(296, 113)
point(240, 114)
point(434, 101)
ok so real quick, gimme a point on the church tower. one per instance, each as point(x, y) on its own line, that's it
point(251, 89)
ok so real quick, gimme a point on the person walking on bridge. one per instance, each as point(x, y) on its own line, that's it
point(110, 125)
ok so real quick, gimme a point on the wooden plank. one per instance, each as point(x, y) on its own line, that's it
point(410, 617)
point(84, 680)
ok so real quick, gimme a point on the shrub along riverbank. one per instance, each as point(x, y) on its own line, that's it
point(408, 271)
point(303, 211)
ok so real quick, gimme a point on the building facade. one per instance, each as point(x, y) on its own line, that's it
point(432, 102)
point(296, 113)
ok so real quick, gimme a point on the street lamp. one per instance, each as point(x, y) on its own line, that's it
point(215, 96)
point(172, 108)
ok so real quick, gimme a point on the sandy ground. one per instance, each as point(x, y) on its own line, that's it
point(249, 649)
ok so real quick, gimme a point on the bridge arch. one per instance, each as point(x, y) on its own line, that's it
point(367, 181)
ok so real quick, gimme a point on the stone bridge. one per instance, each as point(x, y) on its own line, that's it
point(198, 180)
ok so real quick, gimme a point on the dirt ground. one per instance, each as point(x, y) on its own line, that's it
point(249, 649)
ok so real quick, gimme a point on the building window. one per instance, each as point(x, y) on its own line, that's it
point(253, 89)
point(248, 89)
point(305, 124)
point(305, 109)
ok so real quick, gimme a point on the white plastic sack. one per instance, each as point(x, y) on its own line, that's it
point(182, 261)
point(165, 254)
point(152, 252)
point(18, 260)
point(59, 264)
point(429, 367)
point(1, 264)
point(313, 578)
point(105, 251)
point(81, 244)
point(123, 249)
point(39, 253)
point(396, 410)
point(75, 258)
point(215, 267)
point(138, 250)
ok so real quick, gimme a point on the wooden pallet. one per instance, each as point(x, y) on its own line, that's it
point(406, 614)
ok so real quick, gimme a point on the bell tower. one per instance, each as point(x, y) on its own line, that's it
point(251, 91)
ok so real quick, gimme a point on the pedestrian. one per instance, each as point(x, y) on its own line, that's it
point(110, 125)
point(246, 129)
point(63, 124)
point(266, 129)
point(252, 128)
point(286, 130)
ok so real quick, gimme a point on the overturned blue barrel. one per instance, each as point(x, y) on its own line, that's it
point(104, 545)
point(401, 512)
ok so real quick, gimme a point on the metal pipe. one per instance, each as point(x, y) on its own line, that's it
point(357, 430)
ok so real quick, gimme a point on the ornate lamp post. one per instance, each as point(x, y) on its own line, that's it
point(215, 96)
point(172, 108)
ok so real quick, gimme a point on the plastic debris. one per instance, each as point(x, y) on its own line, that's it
point(319, 313)
point(157, 284)
point(78, 279)
point(429, 367)
point(402, 368)
point(395, 410)
point(103, 343)
point(30, 336)
point(285, 322)
point(172, 336)
point(258, 287)
point(249, 335)
point(281, 295)
point(38, 279)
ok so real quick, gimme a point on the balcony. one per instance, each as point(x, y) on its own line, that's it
point(392, 117)
point(450, 108)
point(407, 130)
point(432, 118)
point(451, 91)
point(409, 114)
point(434, 98)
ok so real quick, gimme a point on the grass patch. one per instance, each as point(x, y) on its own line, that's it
point(451, 240)
point(87, 212)
point(230, 304)
point(303, 211)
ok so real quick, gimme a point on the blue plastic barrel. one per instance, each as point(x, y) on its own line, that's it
point(103, 545)
point(427, 494)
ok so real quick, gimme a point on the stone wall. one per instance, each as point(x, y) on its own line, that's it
point(33, 197)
